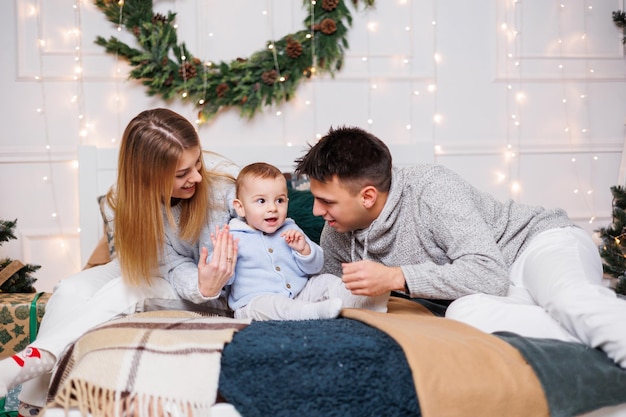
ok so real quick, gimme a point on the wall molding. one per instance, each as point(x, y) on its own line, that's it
point(36, 154)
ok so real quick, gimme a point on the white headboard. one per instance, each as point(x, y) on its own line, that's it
point(97, 171)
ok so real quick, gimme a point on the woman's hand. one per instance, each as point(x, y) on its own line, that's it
point(213, 276)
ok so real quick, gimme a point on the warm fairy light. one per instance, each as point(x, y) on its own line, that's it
point(438, 149)
point(431, 88)
point(516, 187)
point(372, 26)
point(438, 118)
point(408, 127)
point(278, 113)
point(370, 121)
point(437, 57)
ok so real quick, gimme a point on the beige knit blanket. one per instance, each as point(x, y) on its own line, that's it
point(156, 364)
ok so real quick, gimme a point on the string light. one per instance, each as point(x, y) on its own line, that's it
point(432, 88)
point(371, 26)
point(515, 97)
point(587, 197)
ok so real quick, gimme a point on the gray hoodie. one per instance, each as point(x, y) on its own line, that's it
point(449, 238)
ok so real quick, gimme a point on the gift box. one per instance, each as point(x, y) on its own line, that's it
point(20, 314)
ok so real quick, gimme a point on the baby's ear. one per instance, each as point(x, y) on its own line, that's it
point(241, 212)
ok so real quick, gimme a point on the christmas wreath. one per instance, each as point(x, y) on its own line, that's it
point(268, 76)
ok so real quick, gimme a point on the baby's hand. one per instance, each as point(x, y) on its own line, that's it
point(296, 241)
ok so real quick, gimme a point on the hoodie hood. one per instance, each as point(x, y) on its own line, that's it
point(378, 231)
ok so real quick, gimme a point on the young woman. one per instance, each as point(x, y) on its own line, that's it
point(168, 211)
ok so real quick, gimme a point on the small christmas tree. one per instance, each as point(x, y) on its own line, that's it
point(613, 249)
point(20, 280)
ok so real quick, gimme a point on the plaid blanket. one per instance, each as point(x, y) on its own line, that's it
point(156, 364)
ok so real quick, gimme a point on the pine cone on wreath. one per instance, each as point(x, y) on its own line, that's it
point(269, 77)
point(187, 71)
point(329, 5)
point(328, 26)
point(293, 49)
point(221, 90)
point(159, 18)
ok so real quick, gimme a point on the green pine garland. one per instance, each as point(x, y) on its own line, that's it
point(21, 281)
point(167, 68)
point(619, 18)
point(613, 248)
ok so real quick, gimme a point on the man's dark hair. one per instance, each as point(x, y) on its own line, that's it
point(355, 156)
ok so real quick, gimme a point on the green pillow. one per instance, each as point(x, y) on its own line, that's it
point(301, 211)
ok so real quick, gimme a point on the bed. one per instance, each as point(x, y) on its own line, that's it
point(408, 362)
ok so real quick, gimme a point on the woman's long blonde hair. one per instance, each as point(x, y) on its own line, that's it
point(151, 146)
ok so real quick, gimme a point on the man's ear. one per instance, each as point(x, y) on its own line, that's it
point(369, 195)
point(241, 212)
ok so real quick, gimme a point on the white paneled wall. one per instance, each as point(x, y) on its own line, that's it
point(523, 98)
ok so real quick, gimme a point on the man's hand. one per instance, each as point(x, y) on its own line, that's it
point(372, 278)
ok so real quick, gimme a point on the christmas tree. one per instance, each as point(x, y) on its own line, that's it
point(613, 249)
point(15, 277)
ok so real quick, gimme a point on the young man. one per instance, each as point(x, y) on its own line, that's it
point(425, 231)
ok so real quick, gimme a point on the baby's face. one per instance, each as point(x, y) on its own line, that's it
point(264, 203)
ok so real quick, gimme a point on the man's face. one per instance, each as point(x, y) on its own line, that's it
point(342, 210)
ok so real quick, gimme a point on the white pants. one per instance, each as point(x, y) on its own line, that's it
point(80, 302)
point(318, 288)
point(556, 292)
